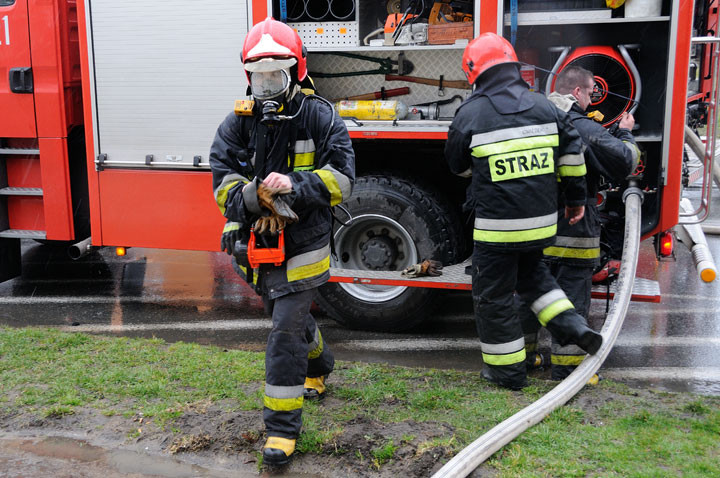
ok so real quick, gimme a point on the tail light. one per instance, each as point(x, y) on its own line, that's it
point(667, 243)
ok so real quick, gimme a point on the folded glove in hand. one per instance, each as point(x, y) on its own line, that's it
point(280, 213)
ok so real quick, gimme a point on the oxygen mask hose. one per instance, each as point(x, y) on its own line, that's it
point(483, 448)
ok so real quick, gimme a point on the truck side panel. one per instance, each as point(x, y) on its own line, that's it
point(15, 54)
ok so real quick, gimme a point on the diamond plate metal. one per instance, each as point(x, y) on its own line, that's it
point(427, 64)
point(454, 277)
point(22, 234)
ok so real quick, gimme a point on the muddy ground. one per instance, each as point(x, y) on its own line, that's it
point(216, 440)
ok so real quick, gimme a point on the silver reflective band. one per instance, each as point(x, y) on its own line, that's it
point(513, 133)
point(316, 340)
point(501, 349)
point(304, 146)
point(277, 391)
point(343, 181)
point(515, 224)
point(308, 258)
point(579, 242)
point(547, 299)
point(571, 160)
point(269, 84)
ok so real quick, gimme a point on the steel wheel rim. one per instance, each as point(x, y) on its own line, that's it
point(354, 246)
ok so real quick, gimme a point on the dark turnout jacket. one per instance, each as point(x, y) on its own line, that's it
point(518, 148)
point(608, 157)
point(315, 151)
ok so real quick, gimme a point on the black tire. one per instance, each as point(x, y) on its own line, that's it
point(396, 223)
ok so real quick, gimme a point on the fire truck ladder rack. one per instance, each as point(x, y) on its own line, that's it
point(481, 449)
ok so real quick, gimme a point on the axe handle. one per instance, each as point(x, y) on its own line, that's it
point(376, 95)
point(463, 85)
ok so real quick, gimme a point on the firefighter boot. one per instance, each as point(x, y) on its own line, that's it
point(569, 327)
point(513, 377)
point(314, 388)
point(277, 451)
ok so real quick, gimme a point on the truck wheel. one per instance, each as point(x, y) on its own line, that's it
point(395, 224)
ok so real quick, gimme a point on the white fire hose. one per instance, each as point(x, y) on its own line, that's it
point(481, 449)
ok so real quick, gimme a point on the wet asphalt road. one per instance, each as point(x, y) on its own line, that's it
point(196, 297)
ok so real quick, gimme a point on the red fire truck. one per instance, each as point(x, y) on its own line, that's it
point(107, 111)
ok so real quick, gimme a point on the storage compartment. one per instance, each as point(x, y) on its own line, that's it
point(450, 33)
point(337, 24)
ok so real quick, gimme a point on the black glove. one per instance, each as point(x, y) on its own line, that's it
point(231, 233)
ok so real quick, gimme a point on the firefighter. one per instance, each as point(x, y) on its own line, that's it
point(576, 252)
point(291, 160)
point(517, 147)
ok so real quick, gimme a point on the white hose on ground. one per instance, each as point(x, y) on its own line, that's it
point(481, 449)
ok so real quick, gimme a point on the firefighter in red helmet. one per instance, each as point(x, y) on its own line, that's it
point(518, 149)
point(281, 168)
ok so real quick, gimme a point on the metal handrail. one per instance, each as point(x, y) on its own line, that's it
point(481, 449)
point(703, 210)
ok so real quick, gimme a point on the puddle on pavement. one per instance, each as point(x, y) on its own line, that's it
point(123, 461)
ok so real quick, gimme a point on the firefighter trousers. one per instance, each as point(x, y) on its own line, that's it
point(576, 281)
point(295, 350)
point(497, 275)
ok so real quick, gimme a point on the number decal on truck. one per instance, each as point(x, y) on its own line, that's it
point(6, 28)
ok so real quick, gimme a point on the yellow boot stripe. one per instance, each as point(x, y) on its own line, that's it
point(316, 383)
point(287, 445)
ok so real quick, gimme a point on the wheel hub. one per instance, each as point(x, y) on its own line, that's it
point(378, 253)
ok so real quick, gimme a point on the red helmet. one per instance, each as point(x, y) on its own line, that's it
point(271, 39)
point(484, 52)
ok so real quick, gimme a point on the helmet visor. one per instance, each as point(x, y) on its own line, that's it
point(269, 84)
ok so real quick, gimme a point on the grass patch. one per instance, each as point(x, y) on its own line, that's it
point(377, 415)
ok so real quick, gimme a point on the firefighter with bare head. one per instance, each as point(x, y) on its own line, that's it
point(278, 167)
point(518, 149)
point(611, 155)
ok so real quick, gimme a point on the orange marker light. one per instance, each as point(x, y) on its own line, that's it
point(667, 244)
point(120, 251)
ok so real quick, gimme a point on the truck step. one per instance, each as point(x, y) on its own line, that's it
point(19, 151)
point(22, 234)
point(454, 277)
point(21, 191)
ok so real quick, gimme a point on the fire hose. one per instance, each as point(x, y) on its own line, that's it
point(481, 449)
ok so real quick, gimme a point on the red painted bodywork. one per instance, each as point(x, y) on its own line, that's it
point(44, 36)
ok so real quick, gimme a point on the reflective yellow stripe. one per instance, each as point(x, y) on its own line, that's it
point(255, 276)
point(310, 270)
point(315, 353)
point(304, 159)
point(552, 311)
point(507, 359)
point(283, 404)
point(572, 171)
point(571, 253)
point(567, 359)
point(515, 145)
point(222, 194)
point(515, 236)
point(521, 164)
point(328, 178)
point(231, 226)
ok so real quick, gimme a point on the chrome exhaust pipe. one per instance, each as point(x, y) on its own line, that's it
point(80, 249)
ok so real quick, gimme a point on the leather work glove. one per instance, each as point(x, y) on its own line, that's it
point(428, 267)
point(231, 233)
point(280, 213)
